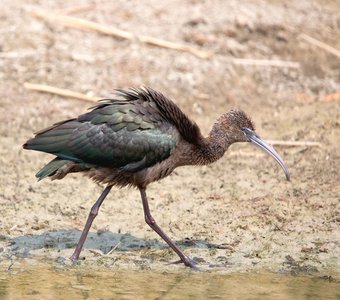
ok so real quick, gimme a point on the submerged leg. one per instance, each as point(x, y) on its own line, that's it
point(92, 215)
point(152, 223)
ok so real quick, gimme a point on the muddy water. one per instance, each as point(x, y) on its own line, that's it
point(51, 282)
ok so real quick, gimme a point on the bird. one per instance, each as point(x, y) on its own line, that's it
point(138, 137)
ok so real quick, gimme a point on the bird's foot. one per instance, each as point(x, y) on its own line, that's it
point(187, 261)
point(74, 258)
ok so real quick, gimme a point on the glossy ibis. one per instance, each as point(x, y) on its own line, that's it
point(135, 140)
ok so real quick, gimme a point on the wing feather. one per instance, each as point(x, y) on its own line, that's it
point(111, 135)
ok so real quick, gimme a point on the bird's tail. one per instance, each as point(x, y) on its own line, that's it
point(51, 168)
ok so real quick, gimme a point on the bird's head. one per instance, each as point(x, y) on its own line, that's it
point(242, 129)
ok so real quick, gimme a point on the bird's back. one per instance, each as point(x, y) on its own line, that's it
point(131, 134)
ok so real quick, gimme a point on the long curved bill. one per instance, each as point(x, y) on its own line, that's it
point(257, 141)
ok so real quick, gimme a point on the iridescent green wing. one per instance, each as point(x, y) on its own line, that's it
point(123, 134)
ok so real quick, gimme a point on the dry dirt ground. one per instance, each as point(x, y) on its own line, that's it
point(239, 214)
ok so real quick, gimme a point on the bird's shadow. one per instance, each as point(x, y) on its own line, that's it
point(102, 241)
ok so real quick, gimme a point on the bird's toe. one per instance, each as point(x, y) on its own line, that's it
point(186, 261)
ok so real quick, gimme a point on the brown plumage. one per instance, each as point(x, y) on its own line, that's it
point(137, 140)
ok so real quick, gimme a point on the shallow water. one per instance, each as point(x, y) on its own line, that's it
point(49, 282)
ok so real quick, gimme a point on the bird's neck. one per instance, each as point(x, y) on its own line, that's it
point(214, 145)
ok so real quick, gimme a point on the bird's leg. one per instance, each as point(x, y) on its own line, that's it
point(93, 213)
point(152, 223)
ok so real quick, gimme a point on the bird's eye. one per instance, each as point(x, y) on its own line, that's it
point(246, 130)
